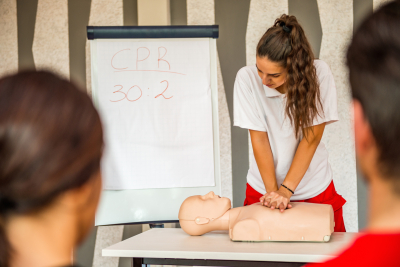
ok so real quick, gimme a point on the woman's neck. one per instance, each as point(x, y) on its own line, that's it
point(384, 207)
point(45, 240)
point(282, 89)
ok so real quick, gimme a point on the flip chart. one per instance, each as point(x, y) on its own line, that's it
point(154, 99)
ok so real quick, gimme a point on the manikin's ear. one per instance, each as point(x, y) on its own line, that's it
point(364, 139)
point(201, 220)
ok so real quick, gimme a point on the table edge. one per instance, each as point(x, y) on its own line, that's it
point(216, 255)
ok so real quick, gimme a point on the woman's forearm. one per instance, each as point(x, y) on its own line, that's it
point(303, 156)
point(264, 158)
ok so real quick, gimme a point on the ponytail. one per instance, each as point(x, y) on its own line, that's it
point(286, 43)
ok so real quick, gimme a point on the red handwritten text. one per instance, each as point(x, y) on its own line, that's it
point(126, 94)
point(162, 94)
point(137, 56)
point(162, 58)
point(142, 54)
point(113, 59)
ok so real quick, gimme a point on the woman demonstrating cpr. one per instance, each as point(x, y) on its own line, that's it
point(285, 101)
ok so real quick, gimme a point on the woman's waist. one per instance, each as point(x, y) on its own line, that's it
point(319, 164)
point(312, 183)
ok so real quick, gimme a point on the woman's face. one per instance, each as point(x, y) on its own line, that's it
point(272, 74)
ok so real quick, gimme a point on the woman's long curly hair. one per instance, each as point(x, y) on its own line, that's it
point(286, 44)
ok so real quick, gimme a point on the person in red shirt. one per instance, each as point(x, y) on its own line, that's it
point(373, 59)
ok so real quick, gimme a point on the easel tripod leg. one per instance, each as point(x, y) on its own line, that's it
point(138, 262)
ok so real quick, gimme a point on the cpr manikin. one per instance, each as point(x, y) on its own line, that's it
point(303, 222)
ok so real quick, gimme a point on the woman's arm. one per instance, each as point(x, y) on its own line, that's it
point(265, 161)
point(304, 154)
point(301, 161)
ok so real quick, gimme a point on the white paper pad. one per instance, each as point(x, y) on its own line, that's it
point(154, 98)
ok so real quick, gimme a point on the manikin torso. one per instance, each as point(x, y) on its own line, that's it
point(303, 222)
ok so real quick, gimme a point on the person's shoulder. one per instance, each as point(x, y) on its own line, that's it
point(324, 76)
point(247, 72)
point(378, 239)
point(321, 67)
point(246, 78)
point(367, 249)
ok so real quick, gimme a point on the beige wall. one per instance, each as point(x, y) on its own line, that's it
point(50, 46)
point(153, 12)
point(8, 37)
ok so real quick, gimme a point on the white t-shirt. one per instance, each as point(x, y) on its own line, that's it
point(258, 107)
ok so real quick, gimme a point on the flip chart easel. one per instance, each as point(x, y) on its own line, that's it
point(154, 205)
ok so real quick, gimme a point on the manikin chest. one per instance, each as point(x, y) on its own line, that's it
point(303, 222)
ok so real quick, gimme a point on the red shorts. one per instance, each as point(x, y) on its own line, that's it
point(329, 196)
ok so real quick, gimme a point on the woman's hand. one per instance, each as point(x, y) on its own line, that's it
point(277, 199)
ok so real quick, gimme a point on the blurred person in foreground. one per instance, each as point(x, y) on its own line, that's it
point(373, 59)
point(50, 149)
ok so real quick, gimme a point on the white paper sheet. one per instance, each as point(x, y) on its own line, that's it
point(154, 98)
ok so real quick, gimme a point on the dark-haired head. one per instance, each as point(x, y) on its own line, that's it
point(373, 59)
point(285, 45)
point(50, 144)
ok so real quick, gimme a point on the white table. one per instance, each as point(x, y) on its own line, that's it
point(174, 247)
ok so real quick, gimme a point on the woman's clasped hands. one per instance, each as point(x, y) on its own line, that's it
point(277, 199)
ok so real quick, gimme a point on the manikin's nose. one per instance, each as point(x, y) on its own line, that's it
point(210, 195)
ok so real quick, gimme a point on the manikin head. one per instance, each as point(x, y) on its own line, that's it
point(198, 213)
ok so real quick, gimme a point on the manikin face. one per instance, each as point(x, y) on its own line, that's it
point(207, 206)
point(215, 201)
point(272, 74)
